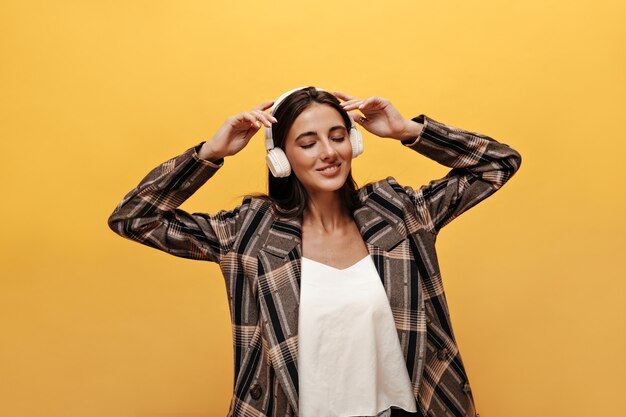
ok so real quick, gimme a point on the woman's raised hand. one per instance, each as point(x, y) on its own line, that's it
point(236, 132)
point(381, 117)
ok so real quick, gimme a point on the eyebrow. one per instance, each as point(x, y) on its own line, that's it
point(312, 133)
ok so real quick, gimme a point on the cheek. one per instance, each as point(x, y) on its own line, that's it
point(346, 151)
point(300, 158)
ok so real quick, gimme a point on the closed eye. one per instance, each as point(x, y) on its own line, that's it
point(309, 145)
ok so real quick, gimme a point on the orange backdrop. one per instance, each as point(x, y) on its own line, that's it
point(95, 94)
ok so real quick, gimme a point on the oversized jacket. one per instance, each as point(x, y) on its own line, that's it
point(259, 251)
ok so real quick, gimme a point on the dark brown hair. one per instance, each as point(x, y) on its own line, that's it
point(288, 194)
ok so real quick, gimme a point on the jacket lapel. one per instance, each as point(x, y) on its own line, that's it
point(279, 270)
point(279, 298)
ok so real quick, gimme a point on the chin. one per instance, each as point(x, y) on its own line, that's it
point(330, 185)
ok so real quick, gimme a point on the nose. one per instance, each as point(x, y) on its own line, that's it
point(328, 150)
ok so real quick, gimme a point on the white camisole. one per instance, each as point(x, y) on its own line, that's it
point(349, 358)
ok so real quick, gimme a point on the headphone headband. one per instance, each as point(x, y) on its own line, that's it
point(269, 139)
point(285, 95)
point(276, 159)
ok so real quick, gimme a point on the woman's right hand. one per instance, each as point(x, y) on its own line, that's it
point(236, 132)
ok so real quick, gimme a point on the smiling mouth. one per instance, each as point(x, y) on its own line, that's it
point(331, 168)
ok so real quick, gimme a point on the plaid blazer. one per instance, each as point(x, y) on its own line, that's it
point(259, 250)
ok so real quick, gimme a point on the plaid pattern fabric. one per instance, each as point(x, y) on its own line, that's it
point(259, 250)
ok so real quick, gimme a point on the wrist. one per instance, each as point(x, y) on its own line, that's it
point(208, 153)
point(411, 131)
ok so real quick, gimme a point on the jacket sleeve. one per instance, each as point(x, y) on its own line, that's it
point(148, 214)
point(480, 166)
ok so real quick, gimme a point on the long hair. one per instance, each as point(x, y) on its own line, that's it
point(288, 194)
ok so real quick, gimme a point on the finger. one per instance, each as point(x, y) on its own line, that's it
point(351, 104)
point(358, 118)
point(248, 118)
point(343, 96)
point(348, 102)
point(372, 103)
point(264, 118)
point(265, 105)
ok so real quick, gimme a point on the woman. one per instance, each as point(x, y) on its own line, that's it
point(314, 331)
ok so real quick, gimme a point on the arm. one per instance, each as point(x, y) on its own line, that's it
point(149, 213)
point(480, 166)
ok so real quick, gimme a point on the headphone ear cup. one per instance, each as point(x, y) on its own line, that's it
point(278, 163)
point(356, 140)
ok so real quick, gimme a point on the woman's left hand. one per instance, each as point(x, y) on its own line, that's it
point(381, 117)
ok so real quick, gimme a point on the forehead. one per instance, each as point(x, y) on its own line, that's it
point(316, 117)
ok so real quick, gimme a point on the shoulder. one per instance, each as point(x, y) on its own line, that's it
point(261, 205)
point(387, 195)
point(258, 203)
point(250, 205)
point(387, 187)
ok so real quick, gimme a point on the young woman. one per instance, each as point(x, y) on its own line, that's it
point(335, 294)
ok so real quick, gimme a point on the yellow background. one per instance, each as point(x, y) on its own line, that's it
point(95, 94)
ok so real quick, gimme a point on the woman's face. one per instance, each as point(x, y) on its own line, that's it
point(318, 149)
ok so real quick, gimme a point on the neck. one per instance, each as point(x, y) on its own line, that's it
point(326, 212)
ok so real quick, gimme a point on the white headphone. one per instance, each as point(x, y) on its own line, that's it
point(277, 160)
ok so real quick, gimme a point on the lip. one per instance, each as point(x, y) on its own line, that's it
point(329, 173)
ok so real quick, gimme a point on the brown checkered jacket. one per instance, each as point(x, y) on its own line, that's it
point(259, 252)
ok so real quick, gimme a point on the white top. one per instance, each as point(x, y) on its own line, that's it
point(349, 358)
